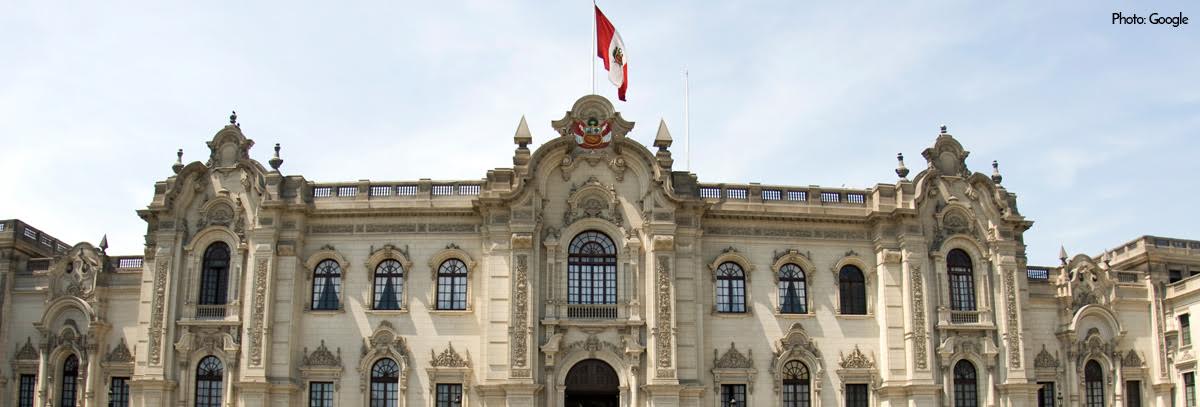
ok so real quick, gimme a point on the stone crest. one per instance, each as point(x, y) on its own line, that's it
point(448, 358)
point(322, 357)
point(855, 360)
point(120, 353)
point(1045, 360)
point(27, 351)
point(733, 359)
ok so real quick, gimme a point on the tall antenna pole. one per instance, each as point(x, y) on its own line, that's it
point(592, 48)
point(687, 123)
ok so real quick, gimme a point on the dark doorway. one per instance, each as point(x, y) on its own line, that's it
point(592, 383)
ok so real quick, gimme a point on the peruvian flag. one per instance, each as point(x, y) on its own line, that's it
point(611, 49)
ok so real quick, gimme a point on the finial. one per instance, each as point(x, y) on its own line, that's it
point(996, 172)
point(1062, 254)
point(104, 244)
point(901, 170)
point(522, 137)
point(943, 129)
point(276, 161)
point(663, 139)
point(233, 119)
point(1107, 258)
point(178, 161)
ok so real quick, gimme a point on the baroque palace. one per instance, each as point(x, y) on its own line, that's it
point(590, 273)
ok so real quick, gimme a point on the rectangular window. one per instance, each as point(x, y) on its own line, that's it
point(856, 395)
point(449, 395)
point(733, 395)
point(1189, 389)
point(25, 396)
point(1185, 330)
point(1174, 275)
point(1046, 394)
point(118, 392)
point(320, 394)
point(1133, 393)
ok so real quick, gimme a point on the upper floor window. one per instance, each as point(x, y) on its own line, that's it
point(733, 395)
point(214, 276)
point(25, 393)
point(1093, 378)
point(70, 379)
point(731, 288)
point(209, 377)
point(385, 381)
point(962, 281)
point(118, 392)
point(1045, 394)
point(1189, 389)
point(327, 285)
point(449, 395)
point(793, 292)
point(320, 394)
point(853, 287)
point(452, 285)
point(966, 392)
point(1185, 330)
point(592, 269)
point(796, 385)
point(857, 395)
point(389, 285)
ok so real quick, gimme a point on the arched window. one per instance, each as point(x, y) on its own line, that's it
point(327, 285)
point(70, 380)
point(209, 375)
point(853, 289)
point(966, 392)
point(452, 285)
point(962, 281)
point(1093, 378)
point(389, 285)
point(214, 277)
point(731, 288)
point(793, 292)
point(796, 387)
point(385, 380)
point(592, 269)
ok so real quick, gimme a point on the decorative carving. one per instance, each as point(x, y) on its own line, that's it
point(593, 199)
point(322, 357)
point(663, 331)
point(75, 273)
point(855, 360)
point(120, 353)
point(156, 313)
point(593, 344)
point(918, 315)
point(1093, 346)
point(1045, 360)
point(448, 358)
point(664, 243)
point(786, 232)
point(732, 359)
point(27, 352)
point(1089, 284)
point(384, 342)
point(1013, 336)
point(796, 344)
point(1131, 359)
point(519, 326)
point(260, 300)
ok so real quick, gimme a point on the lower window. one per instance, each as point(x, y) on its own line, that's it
point(1045, 394)
point(733, 395)
point(25, 393)
point(320, 394)
point(856, 395)
point(118, 392)
point(1133, 393)
point(449, 395)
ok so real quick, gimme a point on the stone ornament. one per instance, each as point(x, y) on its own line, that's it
point(322, 357)
point(733, 359)
point(156, 314)
point(1132, 359)
point(855, 360)
point(1045, 360)
point(448, 358)
point(918, 316)
point(383, 343)
point(260, 298)
point(519, 326)
point(27, 351)
point(796, 344)
point(663, 331)
point(120, 353)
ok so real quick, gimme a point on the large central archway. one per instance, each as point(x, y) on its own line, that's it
point(592, 383)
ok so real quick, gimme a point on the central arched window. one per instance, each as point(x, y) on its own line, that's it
point(70, 380)
point(209, 375)
point(385, 380)
point(327, 285)
point(592, 269)
point(1093, 379)
point(853, 287)
point(962, 281)
point(796, 385)
point(793, 292)
point(966, 392)
point(389, 285)
point(452, 285)
point(731, 288)
point(214, 276)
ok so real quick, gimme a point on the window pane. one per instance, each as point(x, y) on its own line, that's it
point(118, 392)
point(449, 395)
point(966, 392)
point(70, 377)
point(731, 288)
point(389, 285)
point(320, 394)
point(856, 395)
point(1046, 394)
point(793, 293)
point(452, 285)
point(592, 269)
point(327, 285)
point(853, 291)
point(733, 395)
point(1093, 376)
point(1133, 393)
point(25, 396)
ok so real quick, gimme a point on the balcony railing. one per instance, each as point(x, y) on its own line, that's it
point(396, 190)
point(968, 319)
point(964, 317)
point(1037, 273)
point(591, 311)
point(795, 195)
point(207, 311)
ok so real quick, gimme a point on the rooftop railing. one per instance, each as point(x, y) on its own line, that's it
point(783, 194)
point(396, 190)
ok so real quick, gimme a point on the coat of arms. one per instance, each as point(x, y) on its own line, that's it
point(592, 134)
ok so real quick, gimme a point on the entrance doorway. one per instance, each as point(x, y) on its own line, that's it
point(592, 383)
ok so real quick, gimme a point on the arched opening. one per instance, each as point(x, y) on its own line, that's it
point(214, 277)
point(592, 383)
point(962, 281)
point(1093, 377)
point(853, 287)
point(210, 374)
point(70, 380)
point(796, 386)
point(592, 269)
point(966, 385)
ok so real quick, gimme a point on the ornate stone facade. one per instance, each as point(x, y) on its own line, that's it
point(493, 292)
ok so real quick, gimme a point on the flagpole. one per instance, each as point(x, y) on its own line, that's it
point(592, 49)
point(687, 123)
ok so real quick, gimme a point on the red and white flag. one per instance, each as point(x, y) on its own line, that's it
point(611, 49)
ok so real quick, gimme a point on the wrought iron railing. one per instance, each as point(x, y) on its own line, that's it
point(592, 311)
point(210, 311)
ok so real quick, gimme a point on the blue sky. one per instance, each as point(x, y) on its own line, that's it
point(1094, 124)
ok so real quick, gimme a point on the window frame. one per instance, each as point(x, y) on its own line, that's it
point(1046, 392)
point(453, 279)
point(330, 392)
point(452, 389)
point(212, 376)
point(1189, 389)
point(336, 275)
point(796, 373)
point(844, 287)
point(960, 275)
point(733, 390)
point(115, 397)
point(452, 252)
point(800, 277)
point(396, 277)
point(964, 385)
point(390, 389)
point(1185, 330)
point(733, 290)
point(213, 289)
point(68, 381)
point(581, 264)
point(24, 398)
point(1093, 384)
point(1130, 400)
point(863, 401)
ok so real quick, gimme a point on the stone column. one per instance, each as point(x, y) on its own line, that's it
point(520, 328)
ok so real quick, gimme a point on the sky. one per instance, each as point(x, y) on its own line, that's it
point(1094, 124)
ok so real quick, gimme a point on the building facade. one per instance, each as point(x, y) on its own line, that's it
point(590, 273)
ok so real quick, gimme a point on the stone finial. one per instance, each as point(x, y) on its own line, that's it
point(1062, 254)
point(178, 161)
point(1107, 257)
point(275, 161)
point(943, 130)
point(522, 137)
point(663, 139)
point(104, 244)
point(233, 119)
point(901, 170)
point(996, 177)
